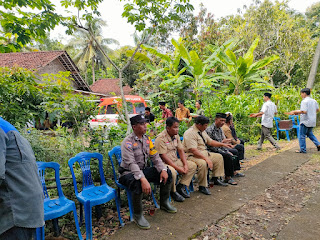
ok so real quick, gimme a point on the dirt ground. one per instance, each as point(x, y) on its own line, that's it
point(266, 215)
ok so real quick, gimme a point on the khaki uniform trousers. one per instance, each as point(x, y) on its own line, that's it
point(217, 171)
point(186, 178)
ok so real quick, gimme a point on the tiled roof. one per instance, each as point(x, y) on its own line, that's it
point(38, 60)
point(29, 60)
point(106, 86)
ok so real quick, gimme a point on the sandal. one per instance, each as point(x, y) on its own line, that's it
point(298, 151)
point(231, 181)
point(239, 175)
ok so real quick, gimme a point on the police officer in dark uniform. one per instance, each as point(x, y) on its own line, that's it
point(135, 173)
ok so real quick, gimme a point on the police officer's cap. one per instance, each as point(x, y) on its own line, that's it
point(137, 119)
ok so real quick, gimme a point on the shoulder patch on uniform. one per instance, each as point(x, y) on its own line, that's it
point(129, 145)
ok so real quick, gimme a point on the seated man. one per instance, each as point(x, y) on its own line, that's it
point(195, 140)
point(231, 164)
point(135, 175)
point(216, 133)
point(148, 115)
point(168, 144)
point(230, 132)
point(183, 113)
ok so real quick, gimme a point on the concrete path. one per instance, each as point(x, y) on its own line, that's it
point(199, 211)
point(306, 224)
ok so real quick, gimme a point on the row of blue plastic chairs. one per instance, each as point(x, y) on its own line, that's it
point(89, 196)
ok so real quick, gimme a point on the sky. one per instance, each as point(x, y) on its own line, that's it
point(119, 29)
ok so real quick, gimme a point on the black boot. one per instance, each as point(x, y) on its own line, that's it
point(164, 198)
point(218, 182)
point(138, 212)
point(177, 197)
point(181, 189)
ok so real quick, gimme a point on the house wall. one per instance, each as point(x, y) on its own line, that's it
point(54, 67)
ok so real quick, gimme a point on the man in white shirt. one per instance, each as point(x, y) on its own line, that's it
point(267, 112)
point(308, 119)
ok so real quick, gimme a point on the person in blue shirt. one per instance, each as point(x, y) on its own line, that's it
point(21, 194)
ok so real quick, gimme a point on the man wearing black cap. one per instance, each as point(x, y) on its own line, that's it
point(166, 112)
point(267, 112)
point(136, 175)
point(231, 156)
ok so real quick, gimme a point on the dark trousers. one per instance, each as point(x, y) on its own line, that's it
point(228, 164)
point(238, 151)
point(151, 174)
point(18, 233)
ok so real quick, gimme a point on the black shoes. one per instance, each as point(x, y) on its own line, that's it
point(204, 190)
point(181, 189)
point(318, 147)
point(177, 197)
point(219, 182)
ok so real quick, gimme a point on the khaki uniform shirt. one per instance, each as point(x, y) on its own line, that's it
point(135, 153)
point(164, 144)
point(184, 113)
point(192, 139)
point(227, 132)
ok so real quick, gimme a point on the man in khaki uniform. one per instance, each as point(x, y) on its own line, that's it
point(183, 113)
point(168, 144)
point(195, 140)
point(136, 175)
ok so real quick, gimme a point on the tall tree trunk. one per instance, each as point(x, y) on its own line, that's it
point(314, 67)
point(124, 103)
point(93, 73)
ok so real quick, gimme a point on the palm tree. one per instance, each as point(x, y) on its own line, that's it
point(86, 48)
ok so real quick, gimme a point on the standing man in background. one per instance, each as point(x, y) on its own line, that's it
point(267, 112)
point(308, 119)
point(166, 112)
point(21, 194)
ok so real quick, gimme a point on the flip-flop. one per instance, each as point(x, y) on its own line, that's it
point(231, 181)
point(297, 151)
point(239, 175)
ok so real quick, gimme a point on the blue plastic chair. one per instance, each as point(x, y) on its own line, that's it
point(55, 208)
point(92, 195)
point(295, 123)
point(277, 120)
point(116, 151)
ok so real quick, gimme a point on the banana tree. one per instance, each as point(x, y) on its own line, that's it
point(173, 74)
point(184, 69)
point(243, 71)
